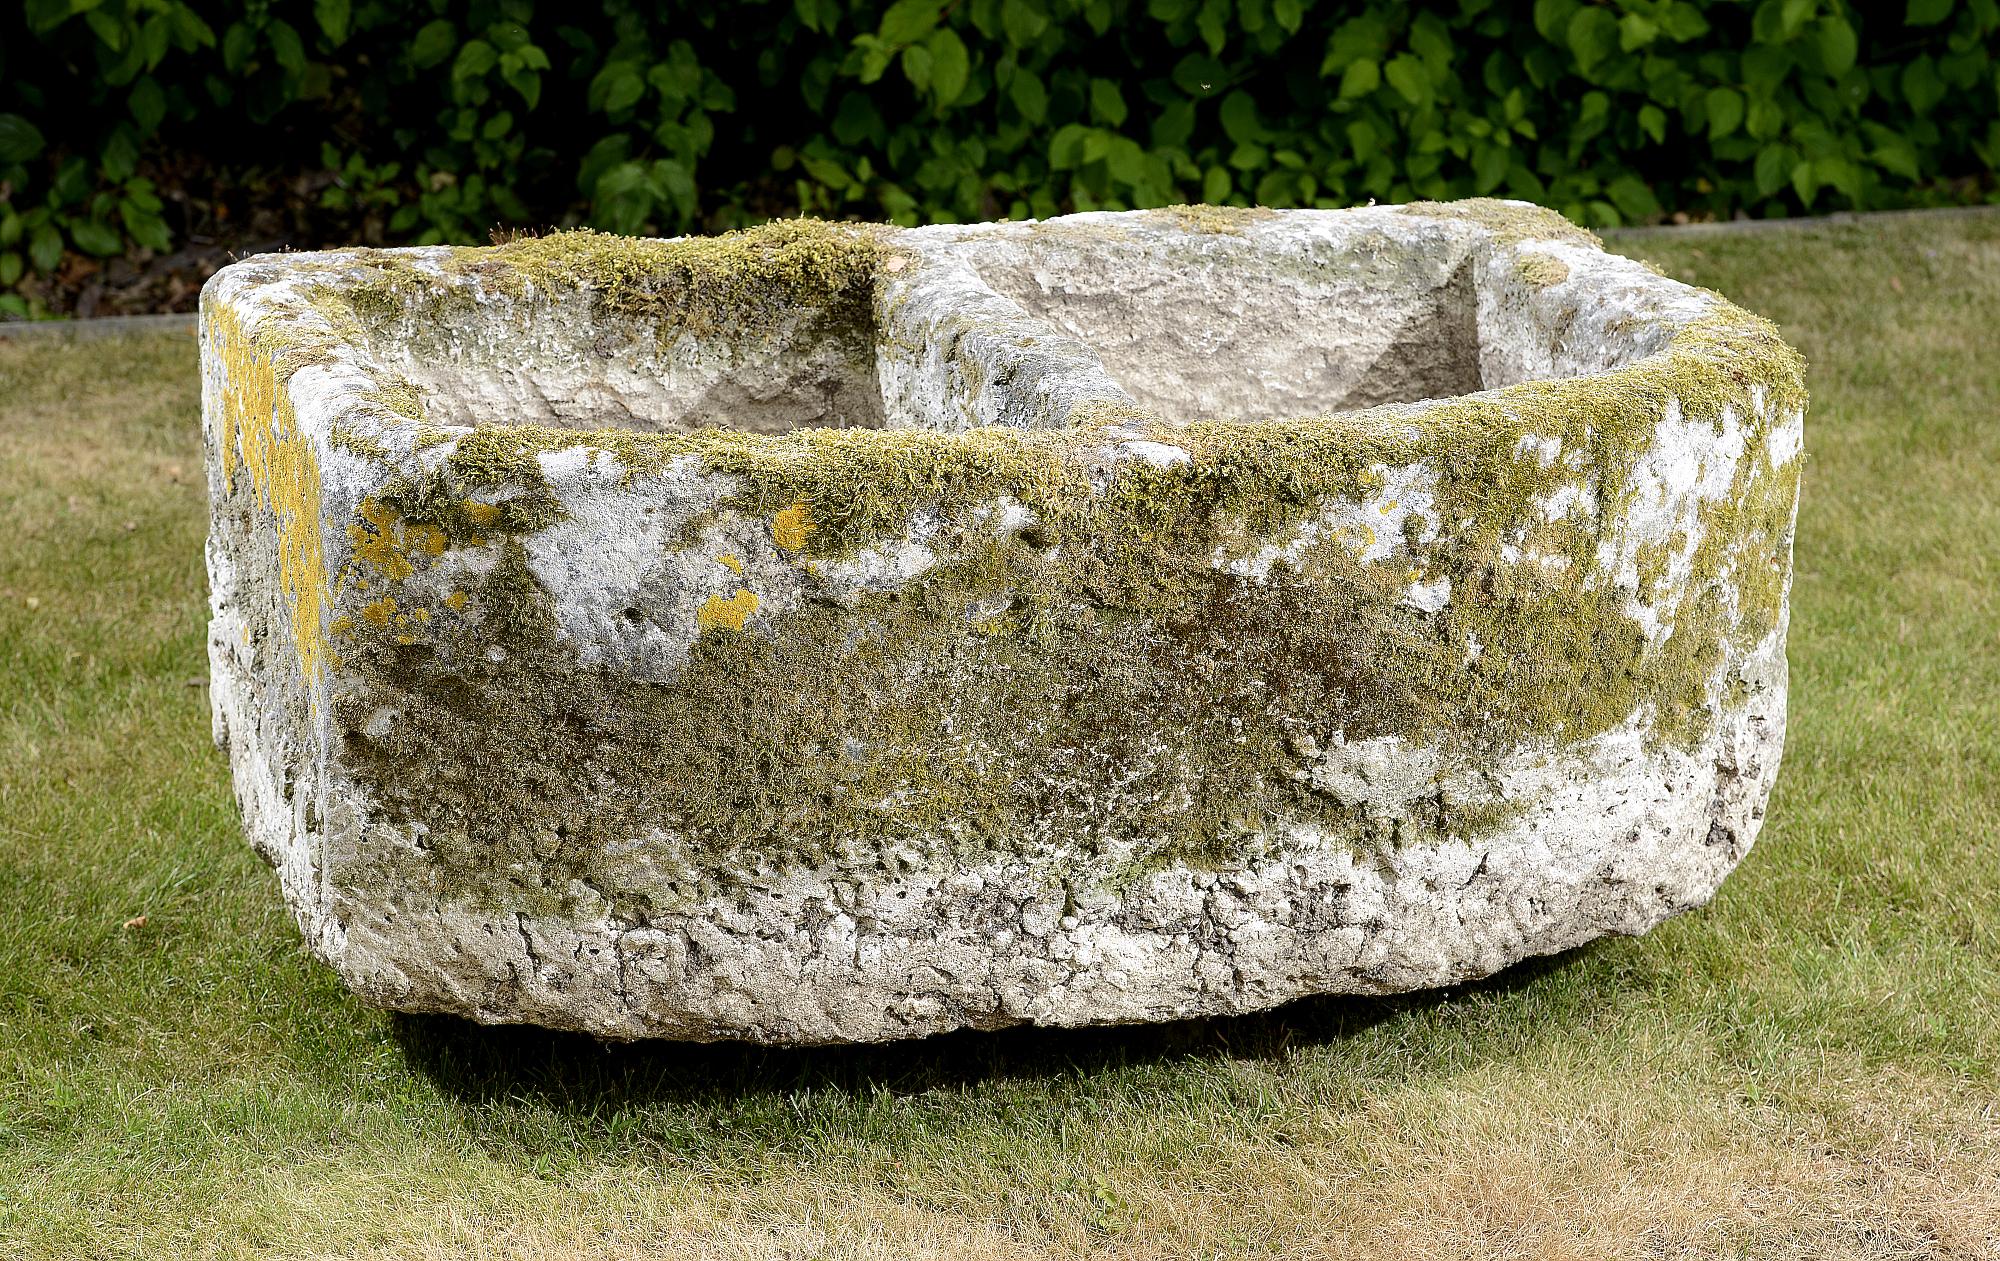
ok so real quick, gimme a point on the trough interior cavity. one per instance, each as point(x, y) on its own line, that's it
point(566, 364)
point(1191, 325)
point(1220, 326)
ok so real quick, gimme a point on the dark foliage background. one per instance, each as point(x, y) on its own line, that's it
point(142, 137)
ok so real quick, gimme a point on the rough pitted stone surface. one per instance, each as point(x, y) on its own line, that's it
point(828, 633)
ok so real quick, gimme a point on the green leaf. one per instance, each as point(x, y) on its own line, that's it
point(45, 247)
point(917, 66)
point(1592, 36)
point(1239, 119)
point(1765, 120)
point(1489, 167)
point(1406, 75)
point(1634, 199)
point(1682, 21)
point(286, 47)
point(1023, 21)
point(1107, 104)
point(1765, 67)
point(1199, 75)
point(1126, 161)
point(145, 227)
point(1213, 23)
point(1838, 45)
point(11, 267)
point(1898, 157)
point(1360, 78)
point(1030, 98)
point(239, 43)
point(1767, 26)
point(1927, 12)
point(951, 66)
point(1635, 31)
point(148, 103)
point(474, 60)
point(1922, 86)
point(333, 16)
point(1794, 15)
point(431, 46)
point(1066, 147)
point(96, 238)
point(1430, 39)
point(1774, 167)
point(19, 138)
point(1362, 138)
point(1804, 183)
point(1725, 111)
point(119, 155)
point(908, 21)
point(1552, 18)
point(1653, 121)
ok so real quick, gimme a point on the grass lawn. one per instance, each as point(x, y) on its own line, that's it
point(1806, 1068)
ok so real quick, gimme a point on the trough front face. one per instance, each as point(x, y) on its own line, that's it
point(829, 633)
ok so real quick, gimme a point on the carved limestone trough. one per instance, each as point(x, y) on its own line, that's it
point(828, 633)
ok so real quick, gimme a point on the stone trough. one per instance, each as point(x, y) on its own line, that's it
point(829, 633)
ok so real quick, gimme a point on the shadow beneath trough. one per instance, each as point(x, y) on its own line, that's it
point(582, 1076)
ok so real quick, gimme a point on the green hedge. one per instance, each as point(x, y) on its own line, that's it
point(427, 120)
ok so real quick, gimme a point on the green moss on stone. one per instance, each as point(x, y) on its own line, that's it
point(1541, 270)
point(1509, 222)
point(1221, 220)
point(694, 285)
point(348, 438)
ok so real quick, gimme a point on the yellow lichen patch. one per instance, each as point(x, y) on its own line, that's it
point(791, 526)
point(387, 545)
point(260, 435)
point(425, 538)
point(731, 561)
point(379, 612)
point(481, 514)
point(455, 601)
point(730, 613)
point(378, 542)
